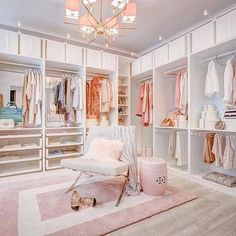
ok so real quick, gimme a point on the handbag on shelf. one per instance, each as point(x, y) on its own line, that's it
point(11, 111)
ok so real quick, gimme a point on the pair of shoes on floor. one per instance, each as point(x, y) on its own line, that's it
point(77, 201)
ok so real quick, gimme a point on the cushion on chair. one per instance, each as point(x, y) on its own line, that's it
point(105, 149)
point(109, 167)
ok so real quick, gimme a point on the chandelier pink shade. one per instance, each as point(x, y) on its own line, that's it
point(106, 19)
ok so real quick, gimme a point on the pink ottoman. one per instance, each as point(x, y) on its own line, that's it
point(153, 176)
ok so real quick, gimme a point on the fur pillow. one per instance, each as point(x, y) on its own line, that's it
point(104, 149)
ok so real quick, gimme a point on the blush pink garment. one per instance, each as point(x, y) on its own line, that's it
point(177, 91)
point(140, 100)
point(153, 176)
point(146, 106)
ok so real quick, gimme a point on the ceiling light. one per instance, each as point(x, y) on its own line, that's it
point(68, 36)
point(160, 38)
point(72, 9)
point(132, 54)
point(93, 25)
point(119, 3)
point(107, 45)
point(205, 12)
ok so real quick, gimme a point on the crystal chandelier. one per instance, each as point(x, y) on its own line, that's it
point(106, 19)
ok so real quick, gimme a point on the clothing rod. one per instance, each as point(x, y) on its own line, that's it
point(220, 56)
point(61, 70)
point(175, 70)
point(99, 75)
point(144, 79)
point(19, 64)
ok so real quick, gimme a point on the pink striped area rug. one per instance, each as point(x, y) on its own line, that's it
point(41, 207)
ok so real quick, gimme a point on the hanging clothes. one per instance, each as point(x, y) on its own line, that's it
point(209, 156)
point(181, 92)
point(228, 81)
point(32, 98)
point(1, 101)
point(212, 85)
point(218, 149)
point(100, 97)
point(229, 158)
point(145, 104)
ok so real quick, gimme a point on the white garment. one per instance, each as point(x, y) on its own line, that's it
point(218, 149)
point(229, 159)
point(228, 81)
point(212, 84)
point(183, 102)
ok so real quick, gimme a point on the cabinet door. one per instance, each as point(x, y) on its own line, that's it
point(74, 54)
point(226, 27)
point(8, 41)
point(203, 37)
point(147, 62)
point(109, 61)
point(55, 51)
point(136, 67)
point(30, 46)
point(161, 56)
point(94, 59)
point(178, 48)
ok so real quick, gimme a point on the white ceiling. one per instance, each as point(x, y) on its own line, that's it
point(155, 17)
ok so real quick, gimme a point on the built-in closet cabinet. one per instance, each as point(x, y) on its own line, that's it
point(225, 27)
point(136, 67)
point(55, 51)
point(147, 62)
point(161, 55)
point(8, 41)
point(203, 37)
point(93, 58)
point(74, 54)
point(178, 48)
point(109, 61)
point(30, 46)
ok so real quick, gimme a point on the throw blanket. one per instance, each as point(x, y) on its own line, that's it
point(127, 135)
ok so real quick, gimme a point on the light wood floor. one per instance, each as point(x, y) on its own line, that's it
point(212, 214)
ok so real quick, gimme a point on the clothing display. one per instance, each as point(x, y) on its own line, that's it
point(32, 98)
point(220, 150)
point(181, 92)
point(228, 81)
point(177, 148)
point(68, 97)
point(100, 96)
point(145, 104)
point(1, 101)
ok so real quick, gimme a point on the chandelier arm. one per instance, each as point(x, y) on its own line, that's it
point(91, 40)
point(109, 37)
point(89, 12)
point(120, 12)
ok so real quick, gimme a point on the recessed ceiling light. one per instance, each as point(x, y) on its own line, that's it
point(19, 23)
point(68, 36)
point(132, 54)
point(205, 12)
point(107, 45)
point(160, 37)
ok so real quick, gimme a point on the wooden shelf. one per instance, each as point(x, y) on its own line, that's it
point(64, 145)
point(212, 130)
point(170, 128)
point(125, 105)
point(64, 155)
point(20, 136)
point(20, 149)
point(123, 96)
point(20, 160)
point(65, 134)
point(64, 128)
point(123, 85)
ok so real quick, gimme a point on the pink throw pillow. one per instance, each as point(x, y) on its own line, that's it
point(105, 150)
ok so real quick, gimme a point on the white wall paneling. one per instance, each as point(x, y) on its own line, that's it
point(93, 58)
point(74, 54)
point(55, 51)
point(147, 62)
point(30, 46)
point(178, 48)
point(161, 55)
point(225, 27)
point(203, 37)
point(109, 61)
point(8, 41)
point(136, 67)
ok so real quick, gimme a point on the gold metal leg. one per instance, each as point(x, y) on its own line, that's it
point(122, 191)
point(73, 185)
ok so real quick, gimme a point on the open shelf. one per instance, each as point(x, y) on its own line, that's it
point(20, 149)
point(64, 134)
point(64, 145)
point(20, 136)
point(75, 154)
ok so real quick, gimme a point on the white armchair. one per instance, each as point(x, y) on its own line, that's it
point(113, 168)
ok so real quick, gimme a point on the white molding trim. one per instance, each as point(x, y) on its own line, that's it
point(188, 30)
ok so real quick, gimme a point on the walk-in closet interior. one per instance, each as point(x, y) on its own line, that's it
point(164, 69)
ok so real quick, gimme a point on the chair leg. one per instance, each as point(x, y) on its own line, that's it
point(73, 185)
point(122, 191)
